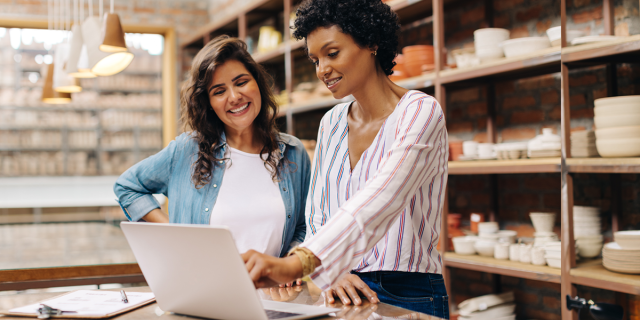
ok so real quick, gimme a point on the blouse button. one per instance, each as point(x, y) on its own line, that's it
point(289, 216)
point(206, 209)
point(215, 185)
point(284, 189)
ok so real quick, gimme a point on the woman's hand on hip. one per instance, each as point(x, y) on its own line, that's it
point(347, 289)
point(267, 271)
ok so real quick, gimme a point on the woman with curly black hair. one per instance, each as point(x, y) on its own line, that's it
point(379, 171)
point(232, 167)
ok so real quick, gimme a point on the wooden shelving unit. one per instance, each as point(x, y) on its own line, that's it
point(609, 53)
point(502, 267)
point(505, 166)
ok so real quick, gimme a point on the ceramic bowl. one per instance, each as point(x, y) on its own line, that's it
point(554, 263)
point(590, 250)
point(593, 238)
point(620, 109)
point(632, 101)
point(618, 120)
point(490, 36)
point(618, 133)
point(627, 239)
point(488, 227)
point(489, 54)
point(501, 251)
point(618, 148)
point(523, 46)
point(507, 236)
point(543, 221)
point(464, 245)
point(485, 249)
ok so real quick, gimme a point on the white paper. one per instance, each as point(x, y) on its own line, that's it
point(89, 302)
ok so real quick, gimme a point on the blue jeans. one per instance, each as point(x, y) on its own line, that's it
point(421, 292)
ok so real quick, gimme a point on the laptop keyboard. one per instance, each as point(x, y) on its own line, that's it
point(272, 314)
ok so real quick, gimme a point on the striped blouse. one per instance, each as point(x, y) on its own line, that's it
point(384, 214)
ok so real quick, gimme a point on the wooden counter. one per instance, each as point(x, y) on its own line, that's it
point(307, 294)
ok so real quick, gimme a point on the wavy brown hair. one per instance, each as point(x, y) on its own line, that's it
point(198, 115)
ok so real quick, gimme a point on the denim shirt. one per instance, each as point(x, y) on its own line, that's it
point(169, 172)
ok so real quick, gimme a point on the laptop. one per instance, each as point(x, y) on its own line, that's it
point(196, 270)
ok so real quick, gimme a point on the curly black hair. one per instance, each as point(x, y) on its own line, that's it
point(369, 22)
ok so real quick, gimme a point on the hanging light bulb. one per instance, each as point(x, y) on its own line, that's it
point(62, 81)
point(102, 63)
point(51, 96)
point(78, 63)
point(112, 34)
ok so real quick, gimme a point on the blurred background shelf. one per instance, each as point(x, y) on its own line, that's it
point(625, 49)
point(604, 165)
point(593, 274)
point(505, 166)
point(502, 267)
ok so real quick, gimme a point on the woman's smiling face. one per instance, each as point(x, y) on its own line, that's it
point(234, 95)
point(341, 64)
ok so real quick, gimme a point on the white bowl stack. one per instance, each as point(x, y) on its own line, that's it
point(553, 253)
point(487, 43)
point(587, 230)
point(523, 46)
point(583, 144)
point(487, 238)
point(465, 245)
point(489, 307)
point(621, 259)
point(545, 145)
point(617, 121)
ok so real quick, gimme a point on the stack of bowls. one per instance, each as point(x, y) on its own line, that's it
point(511, 150)
point(465, 245)
point(417, 58)
point(617, 258)
point(543, 223)
point(487, 238)
point(523, 46)
point(399, 72)
point(587, 230)
point(617, 121)
point(487, 43)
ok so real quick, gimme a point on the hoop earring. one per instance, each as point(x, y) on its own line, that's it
point(375, 53)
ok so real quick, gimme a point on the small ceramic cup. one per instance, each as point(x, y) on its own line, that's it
point(501, 251)
point(525, 253)
point(514, 252)
point(537, 256)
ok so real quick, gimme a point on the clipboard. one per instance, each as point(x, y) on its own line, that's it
point(147, 299)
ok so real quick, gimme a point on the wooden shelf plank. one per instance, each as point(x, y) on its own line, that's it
point(604, 165)
point(593, 274)
point(420, 82)
point(534, 63)
point(505, 166)
point(604, 49)
point(503, 267)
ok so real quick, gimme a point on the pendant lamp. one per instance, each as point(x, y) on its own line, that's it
point(51, 96)
point(78, 63)
point(102, 63)
point(62, 81)
point(112, 34)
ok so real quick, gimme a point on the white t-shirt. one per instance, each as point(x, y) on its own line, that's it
point(250, 204)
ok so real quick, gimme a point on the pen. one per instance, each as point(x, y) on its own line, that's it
point(124, 296)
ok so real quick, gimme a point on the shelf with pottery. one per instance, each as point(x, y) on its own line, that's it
point(604, 165)
point(113, 128)
point(81, 109)
point(592, 273)
point(502, 267)
point(535, 63)
point(537, 165)
point(277, 54)
point(602, 50)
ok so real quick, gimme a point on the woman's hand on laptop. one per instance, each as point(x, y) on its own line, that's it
point(267, 271)
point(347, 289)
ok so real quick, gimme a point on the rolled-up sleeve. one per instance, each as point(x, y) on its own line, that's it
point(420, 140)
point(136, 186)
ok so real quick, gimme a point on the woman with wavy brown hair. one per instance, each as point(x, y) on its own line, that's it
point(231, 167)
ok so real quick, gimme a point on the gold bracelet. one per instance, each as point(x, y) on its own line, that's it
point(307, 259)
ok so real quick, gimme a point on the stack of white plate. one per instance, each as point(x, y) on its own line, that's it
point(583, 144)
point(617, 121)
point(487, 43)
point(553, 253)
point(545, 145)
point(619, 259)
point(489, 307)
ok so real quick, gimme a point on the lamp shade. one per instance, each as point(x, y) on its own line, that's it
point(77, 63)
point(100, 62)
point(62, 81)
point(112, 34)
point(51, 96)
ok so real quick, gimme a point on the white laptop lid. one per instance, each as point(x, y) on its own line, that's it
point(194, 270)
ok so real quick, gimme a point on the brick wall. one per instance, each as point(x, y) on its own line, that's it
point(185, 16)
point(587, 15)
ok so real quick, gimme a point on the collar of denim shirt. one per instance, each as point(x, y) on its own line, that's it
point(283, 140)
